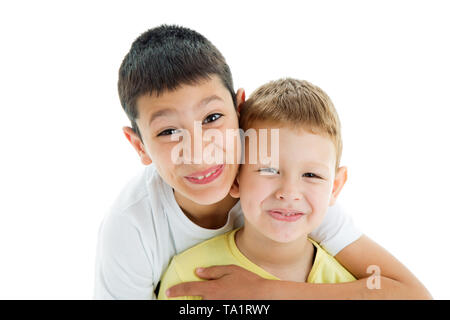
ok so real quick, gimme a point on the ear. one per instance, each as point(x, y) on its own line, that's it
point(234, 191)
point(240, 99)
point(339, 181)
point(137, 144)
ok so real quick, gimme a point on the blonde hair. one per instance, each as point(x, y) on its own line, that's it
point(295, 103)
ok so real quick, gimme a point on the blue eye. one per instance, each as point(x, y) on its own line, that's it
point(268, 171)
point(212, 117)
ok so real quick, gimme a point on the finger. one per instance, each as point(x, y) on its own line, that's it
point(214, 272)
point(194, 288)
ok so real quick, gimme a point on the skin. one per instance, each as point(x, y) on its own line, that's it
point(208, 207)
point(305, 181)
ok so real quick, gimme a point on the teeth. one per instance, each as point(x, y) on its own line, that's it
point(290, 214)
point(206, 176)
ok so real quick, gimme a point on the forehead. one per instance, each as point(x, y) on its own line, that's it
point(293, 145)
point(185, 98)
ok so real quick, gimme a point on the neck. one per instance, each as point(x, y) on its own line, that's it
point(212, 216)
point(287, 261)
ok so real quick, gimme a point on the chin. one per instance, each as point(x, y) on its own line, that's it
point(210, 197)
point(287, 235)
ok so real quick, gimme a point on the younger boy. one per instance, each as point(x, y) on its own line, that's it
point(283, 202)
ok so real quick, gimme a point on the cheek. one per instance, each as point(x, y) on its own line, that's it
point(254, 191)
point(159, 152)
point(231, 143)
point(319, 198)
point(161, 155)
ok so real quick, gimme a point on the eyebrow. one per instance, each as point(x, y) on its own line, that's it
point(161, 113)
point(167, 111)
point(317, 164)
point(307, 164)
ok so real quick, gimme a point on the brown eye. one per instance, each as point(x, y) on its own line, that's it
point(167, 132)
point(310, 175)
point(213, 117)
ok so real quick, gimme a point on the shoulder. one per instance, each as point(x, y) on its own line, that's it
point(216, 244)
point(128, 259)
point(134, 204)
point(326, 269)
point(336, 231)
point(129, 225)
point(214, 251)
point(134, 192)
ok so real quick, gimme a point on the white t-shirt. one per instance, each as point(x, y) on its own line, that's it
point(146, 227)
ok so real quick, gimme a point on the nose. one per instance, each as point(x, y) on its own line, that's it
point(202, 146)
point(288, 191)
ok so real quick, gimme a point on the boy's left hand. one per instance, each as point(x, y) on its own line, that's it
point(225, 283)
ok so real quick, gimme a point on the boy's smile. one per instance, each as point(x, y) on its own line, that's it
point(205, 176)
point(285, 214)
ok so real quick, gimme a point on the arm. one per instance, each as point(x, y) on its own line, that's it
point(339, 237)
point(395, 281)
point(123, 269)
point(233, 282)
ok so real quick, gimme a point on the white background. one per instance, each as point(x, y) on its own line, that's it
point(64, 158)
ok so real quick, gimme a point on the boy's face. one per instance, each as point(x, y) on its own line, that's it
point(210, 104)
point(290, 200)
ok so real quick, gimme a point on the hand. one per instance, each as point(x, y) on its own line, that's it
point(224, 283)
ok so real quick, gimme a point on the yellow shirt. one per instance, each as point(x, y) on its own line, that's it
point(222, 250)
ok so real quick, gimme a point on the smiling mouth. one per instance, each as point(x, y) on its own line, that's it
point(201, 177)
point(205, 176)
point(286, 212)
point(288, 215)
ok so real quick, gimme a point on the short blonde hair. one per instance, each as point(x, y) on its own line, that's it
point(294, 103)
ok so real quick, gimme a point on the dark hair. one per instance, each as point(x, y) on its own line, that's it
point(163, 58)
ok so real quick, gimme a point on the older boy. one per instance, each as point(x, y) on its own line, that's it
point(172, 78)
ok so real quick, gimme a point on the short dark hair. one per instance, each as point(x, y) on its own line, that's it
point(163, 58)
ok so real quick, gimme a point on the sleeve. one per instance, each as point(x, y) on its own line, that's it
point(123, 269)
point(336, 230)
point(169, 279)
